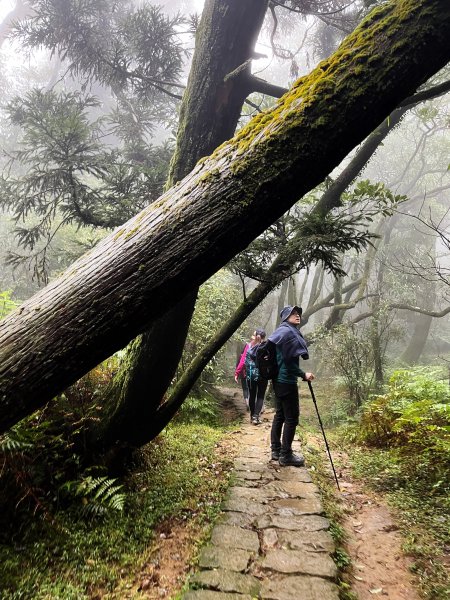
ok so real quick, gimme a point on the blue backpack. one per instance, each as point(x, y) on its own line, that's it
point(251, 370)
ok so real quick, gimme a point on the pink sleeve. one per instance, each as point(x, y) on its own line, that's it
point(241, 361)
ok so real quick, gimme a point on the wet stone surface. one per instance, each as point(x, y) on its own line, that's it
point(227, 581)
point(271, 541)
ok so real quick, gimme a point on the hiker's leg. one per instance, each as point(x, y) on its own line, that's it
point(278, 420)
point(245, 390)
point(291, 411)
point(260, 392)
point(252, 388)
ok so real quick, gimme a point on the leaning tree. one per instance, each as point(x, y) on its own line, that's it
point(154, 260)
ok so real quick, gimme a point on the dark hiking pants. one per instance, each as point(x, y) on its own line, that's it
point(285, 421)
point(256, 389)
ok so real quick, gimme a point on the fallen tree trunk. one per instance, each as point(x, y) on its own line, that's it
point(110, 294)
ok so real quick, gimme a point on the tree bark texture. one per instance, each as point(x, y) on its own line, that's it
point(111, 294)
point(209, 114)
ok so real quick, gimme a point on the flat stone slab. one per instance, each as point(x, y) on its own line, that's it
point(227, 581)
point(299, 562)
point(213, 557)
point(254, 483)
point(209, 595)
point(251, 494)
point(293, 523)
point(292, 474)
point(270, 538)
point(299, 588)
point(249, 475)
point(293, 489)
point(251, 452)
point(298, 506)
point(314, 541)
point(239, 519)
point(250, 464)
point(235, 537)
point(246, 506)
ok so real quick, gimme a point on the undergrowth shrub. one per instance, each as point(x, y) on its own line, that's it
point(217, 300)
point(348, 352)
point(202, 409)
point(413, 417)
point(43, 457)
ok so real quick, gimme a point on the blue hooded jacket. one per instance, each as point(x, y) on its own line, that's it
point(290, 346)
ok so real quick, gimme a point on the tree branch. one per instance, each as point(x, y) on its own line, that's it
point(264, 87)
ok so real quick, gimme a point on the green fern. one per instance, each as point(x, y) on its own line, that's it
point(99, 495)
point(10, 444)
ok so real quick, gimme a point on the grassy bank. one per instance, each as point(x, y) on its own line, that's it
point(179, 478)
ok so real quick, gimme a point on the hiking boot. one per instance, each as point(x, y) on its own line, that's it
point(255, 421)
point(291, 460)
point(275, 454)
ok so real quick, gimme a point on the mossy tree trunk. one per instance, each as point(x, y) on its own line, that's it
point(149, 264)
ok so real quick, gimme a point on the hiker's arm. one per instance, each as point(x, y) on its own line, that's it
point(241, 364)
point(294, 369)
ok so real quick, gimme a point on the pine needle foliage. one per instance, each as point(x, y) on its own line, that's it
point(127, 48)
point(63, 173)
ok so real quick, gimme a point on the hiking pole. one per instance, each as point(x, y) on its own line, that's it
point(323, 433)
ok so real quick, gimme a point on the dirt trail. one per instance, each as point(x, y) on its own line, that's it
point(374, 544)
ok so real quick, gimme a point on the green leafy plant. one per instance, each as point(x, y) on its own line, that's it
point(7, 304)
point(99, 495)
point(349, 353)
point(199, 410)
point(413, 417)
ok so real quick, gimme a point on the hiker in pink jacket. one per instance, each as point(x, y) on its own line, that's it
point(246, 369)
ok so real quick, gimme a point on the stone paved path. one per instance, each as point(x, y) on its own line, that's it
point(271, 541)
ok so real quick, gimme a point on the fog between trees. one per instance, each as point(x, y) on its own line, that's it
point(121, 116)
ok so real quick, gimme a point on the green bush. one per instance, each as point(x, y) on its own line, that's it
point(413, 417)
point(203, 410)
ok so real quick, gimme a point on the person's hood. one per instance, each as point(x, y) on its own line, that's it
point(290, 341)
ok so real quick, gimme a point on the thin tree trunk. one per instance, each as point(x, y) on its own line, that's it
point(292, 292)
point(422, 323)
point(146, 266)
point(303, 287)
point(282, 296)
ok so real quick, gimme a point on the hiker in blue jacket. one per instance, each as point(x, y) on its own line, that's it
point(290, 345)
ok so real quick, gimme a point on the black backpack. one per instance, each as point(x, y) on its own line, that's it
point(266, 360)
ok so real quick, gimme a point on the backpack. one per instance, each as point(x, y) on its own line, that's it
point(266, 360)
point(251, 369)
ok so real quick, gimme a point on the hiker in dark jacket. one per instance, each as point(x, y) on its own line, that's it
point(290, 345)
